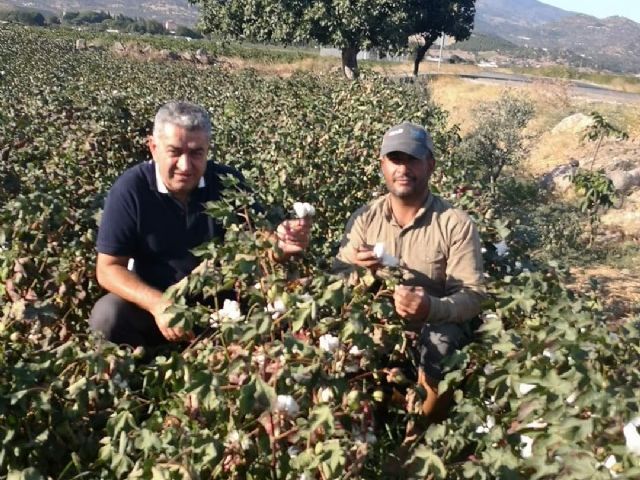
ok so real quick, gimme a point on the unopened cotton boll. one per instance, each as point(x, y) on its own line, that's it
point(304, 209)
point(387, 260)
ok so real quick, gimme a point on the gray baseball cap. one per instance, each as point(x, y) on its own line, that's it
point(408, 138)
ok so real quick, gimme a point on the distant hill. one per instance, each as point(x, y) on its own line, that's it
point(503, 15)
point(180, 11)
point(612, 43)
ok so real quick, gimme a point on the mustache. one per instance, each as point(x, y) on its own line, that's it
point(404, 177)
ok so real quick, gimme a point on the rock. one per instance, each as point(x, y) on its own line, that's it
point(165, 54)
point(626, 217)
point(559, 178)
point(623, 181)
point(81, 44)
point(573, 124)
point(119, 47)
point(186, 56)
point(202, 57)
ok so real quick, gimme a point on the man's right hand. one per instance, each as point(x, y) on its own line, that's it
point(163, 319)
point(366, 258)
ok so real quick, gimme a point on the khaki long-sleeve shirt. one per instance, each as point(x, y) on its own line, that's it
point(440, 251)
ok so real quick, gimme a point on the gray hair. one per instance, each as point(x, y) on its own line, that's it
point(184, 115)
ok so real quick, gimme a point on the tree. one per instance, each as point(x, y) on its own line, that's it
point(432, 18)
point(350, 25)
point(599, 129)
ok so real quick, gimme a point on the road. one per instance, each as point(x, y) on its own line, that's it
point(575, 88)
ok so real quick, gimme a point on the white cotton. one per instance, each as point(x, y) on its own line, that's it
point(501, 248)
point(609, 463)
point(277, 308)
point(387, 260)
point(536, 424)
point(488, 425)
point(525, 388)
point(355, 351)
point(293, 451)
point(527, 450)
point(304, 209)
point(287, 404)
point(329, 343)
point(233, 437)
point(305, 298)
point(325, 394)
point(572, 398)
point(632, 437)
point(230, 311)
point(260, 358)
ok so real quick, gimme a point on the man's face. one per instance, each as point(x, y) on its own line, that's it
point(181, 156)
point(407, 177)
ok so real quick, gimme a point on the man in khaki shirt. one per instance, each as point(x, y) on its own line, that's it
point(436, 246)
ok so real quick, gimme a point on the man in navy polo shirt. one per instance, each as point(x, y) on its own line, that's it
point(154, 215)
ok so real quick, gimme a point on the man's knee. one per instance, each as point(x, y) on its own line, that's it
point(438, 342)
point(120, 321)
point(106, 315)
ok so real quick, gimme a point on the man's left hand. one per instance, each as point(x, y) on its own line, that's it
point(412, 303)
point(293, 236)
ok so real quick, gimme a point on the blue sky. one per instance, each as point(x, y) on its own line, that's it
point(600, 8)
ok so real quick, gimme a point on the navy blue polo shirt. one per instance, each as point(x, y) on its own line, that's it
point(142, 221)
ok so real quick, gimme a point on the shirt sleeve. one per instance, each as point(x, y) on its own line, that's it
point(354, 236)
point(464, 284)
point(118, 223)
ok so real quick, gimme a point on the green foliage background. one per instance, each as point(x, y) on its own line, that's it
point(546, 366)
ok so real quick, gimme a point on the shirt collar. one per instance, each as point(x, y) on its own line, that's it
point(162, 188)
point(421, 211)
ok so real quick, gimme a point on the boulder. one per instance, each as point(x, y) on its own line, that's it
point(202, 57)
point(559, 178)
point(81, 44)
point(119, 47)
point(623, 181)
point(573, 124)
point(186, 56)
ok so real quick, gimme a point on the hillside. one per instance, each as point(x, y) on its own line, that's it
point(180, 11)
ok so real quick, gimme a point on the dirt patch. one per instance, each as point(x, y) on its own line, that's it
point(617, 288)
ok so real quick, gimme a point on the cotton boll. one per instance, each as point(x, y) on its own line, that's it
point(329, 343)
point(287, 404)
point(527, 449)
point(502, 248)
point(525, 388)
point(632, 437)
point(304, 209)
point(387, 260)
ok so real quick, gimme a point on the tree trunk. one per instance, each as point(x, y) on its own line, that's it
point(421, 51)
point(350, 62)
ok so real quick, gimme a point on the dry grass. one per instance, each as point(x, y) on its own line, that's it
point(284, 70)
